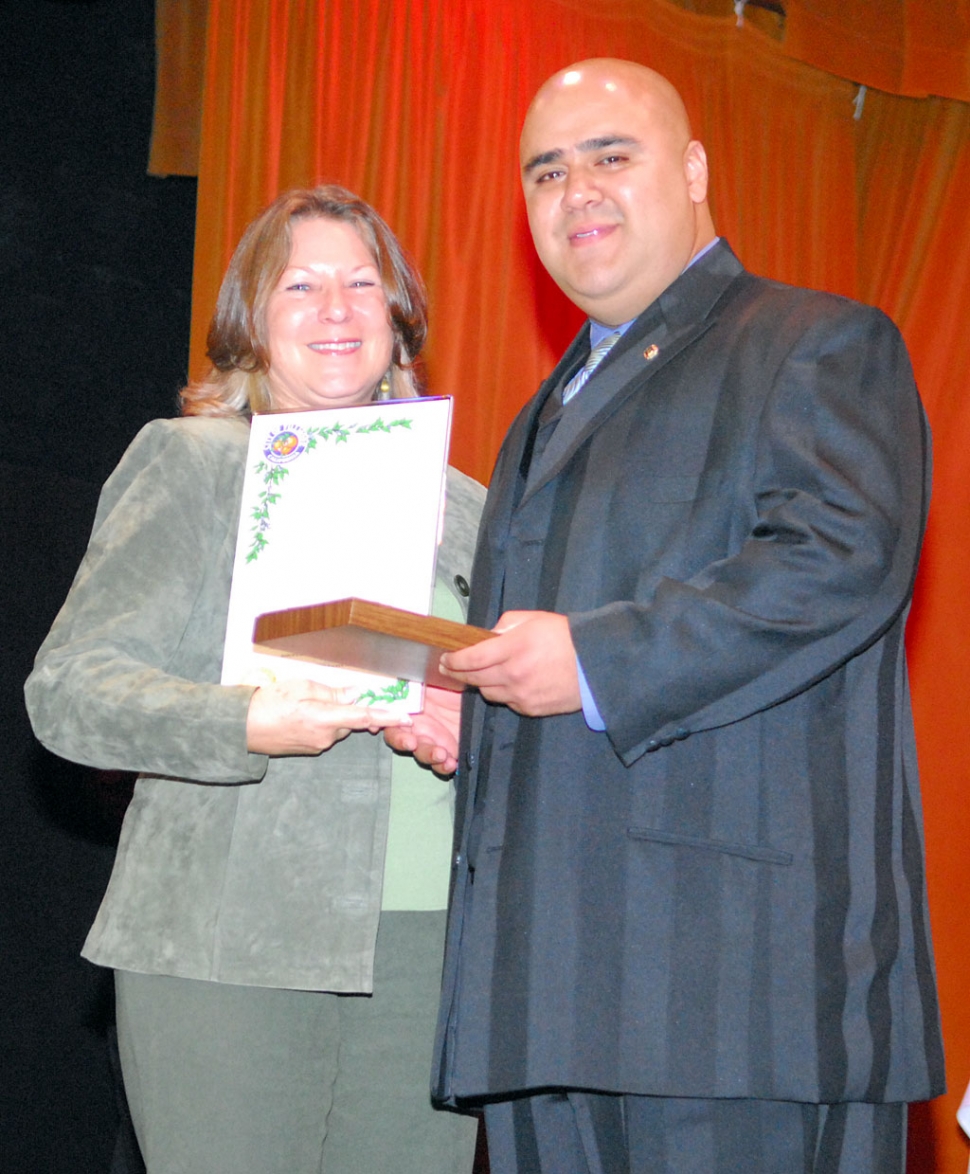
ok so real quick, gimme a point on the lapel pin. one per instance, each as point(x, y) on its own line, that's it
point(651, 352)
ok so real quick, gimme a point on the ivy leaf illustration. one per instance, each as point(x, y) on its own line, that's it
point(395, 692)
point(273, 475)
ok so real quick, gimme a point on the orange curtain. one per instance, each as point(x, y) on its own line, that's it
point(914, 180)
point(416, 104)
point(179, 63)
point(913, 47)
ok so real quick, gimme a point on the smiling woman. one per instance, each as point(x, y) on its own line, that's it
point(318, 265)
point(330, 338)
point(275, 858)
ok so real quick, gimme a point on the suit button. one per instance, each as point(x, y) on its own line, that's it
point(462, 584)
point(667, 741)
point(458, 859)
point(680, 734)
point(653, 744)
point(470, 760)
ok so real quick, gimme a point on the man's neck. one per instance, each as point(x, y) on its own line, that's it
point(599, 330)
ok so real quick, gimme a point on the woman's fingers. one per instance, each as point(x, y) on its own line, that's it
point(305, 717)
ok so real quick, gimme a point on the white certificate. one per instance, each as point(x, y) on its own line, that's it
point(337, 503)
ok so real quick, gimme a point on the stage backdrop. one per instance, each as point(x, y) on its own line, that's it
point(416, 104)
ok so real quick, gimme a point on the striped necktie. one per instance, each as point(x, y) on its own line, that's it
point(596, 355)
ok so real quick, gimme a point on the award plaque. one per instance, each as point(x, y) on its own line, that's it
point(370, 636)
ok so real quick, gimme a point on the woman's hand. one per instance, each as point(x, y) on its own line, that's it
point(432, 736)
point(304, 717)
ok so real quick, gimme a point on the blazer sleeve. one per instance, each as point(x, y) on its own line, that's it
point(128, 675)
point(837, 490)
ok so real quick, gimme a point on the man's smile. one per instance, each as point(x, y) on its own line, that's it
point(589, 234)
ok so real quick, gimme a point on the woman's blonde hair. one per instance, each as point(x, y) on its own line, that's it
point(237, 346)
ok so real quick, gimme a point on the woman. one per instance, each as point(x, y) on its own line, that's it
point(268, 873)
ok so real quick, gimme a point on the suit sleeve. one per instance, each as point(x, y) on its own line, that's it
point(837, 495)
point(103, 691)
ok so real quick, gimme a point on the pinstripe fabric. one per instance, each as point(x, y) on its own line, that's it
point(723, 895)
point(583, 1133)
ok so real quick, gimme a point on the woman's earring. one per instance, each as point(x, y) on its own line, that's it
point(384, 388)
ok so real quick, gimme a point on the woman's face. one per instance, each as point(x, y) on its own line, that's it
point(329, 337)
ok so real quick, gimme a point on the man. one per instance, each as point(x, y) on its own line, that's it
point(688, 928)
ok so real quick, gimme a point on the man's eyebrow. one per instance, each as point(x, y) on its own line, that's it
point(542, 160)
point(607, 141)
point(596, 144)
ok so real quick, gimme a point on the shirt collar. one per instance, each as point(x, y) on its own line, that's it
point(597, 331)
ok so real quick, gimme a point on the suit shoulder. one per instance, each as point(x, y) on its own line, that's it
point(802, 303)
point(787, 318)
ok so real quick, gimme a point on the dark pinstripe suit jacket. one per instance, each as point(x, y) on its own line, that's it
point(723, 895)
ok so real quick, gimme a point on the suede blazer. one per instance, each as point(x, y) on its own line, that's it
point(231, 867)
point(722, 895)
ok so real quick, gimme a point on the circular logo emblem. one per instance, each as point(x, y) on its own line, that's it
point(285, 444)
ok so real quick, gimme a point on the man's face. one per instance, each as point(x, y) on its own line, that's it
point(612, 185)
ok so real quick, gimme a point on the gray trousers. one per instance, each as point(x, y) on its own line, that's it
point(226, 1079)
point(590, 1133)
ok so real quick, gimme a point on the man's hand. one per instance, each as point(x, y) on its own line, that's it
point(530, 666)
point(433, 735)
point(304, 717)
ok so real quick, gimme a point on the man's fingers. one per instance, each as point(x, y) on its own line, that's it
point(401, 738)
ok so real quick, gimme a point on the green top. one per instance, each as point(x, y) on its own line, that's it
point(417, 864)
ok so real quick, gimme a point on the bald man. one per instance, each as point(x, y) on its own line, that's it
point(688, 929)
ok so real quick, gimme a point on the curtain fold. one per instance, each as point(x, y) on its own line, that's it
point(179, 65)
point(910, 47)
point(417, 105)
point(913, 179)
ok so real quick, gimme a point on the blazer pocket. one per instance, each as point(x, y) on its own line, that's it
point(748, 851)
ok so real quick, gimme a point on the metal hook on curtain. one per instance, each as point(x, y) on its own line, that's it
point(775, 6)
point(858, 102)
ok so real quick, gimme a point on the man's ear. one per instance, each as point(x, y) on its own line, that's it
point(695, 168)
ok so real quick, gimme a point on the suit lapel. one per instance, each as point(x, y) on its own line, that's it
point(602, 396)
point(682, 313)
point(508, 479)
point(506, 490)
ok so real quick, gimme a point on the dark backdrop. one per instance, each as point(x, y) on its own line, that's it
point(95, 277)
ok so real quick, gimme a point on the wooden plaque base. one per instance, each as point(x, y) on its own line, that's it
point(370, 636)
